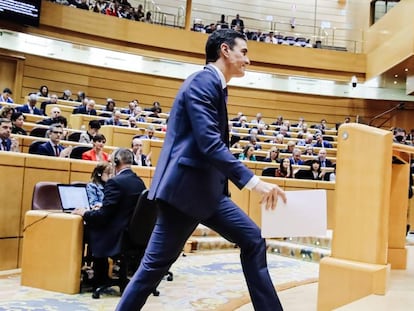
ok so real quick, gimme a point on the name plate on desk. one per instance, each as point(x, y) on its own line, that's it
point(304, 214)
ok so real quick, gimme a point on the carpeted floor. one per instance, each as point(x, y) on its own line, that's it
point(201, 282)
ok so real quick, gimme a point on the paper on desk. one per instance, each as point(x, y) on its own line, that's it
point(304, 214)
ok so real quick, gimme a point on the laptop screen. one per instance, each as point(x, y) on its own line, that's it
point(73, 196)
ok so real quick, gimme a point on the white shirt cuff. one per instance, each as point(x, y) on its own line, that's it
point(252, 182)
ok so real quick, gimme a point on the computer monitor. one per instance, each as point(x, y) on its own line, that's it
point(73, 196)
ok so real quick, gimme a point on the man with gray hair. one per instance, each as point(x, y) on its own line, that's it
point(30, 106)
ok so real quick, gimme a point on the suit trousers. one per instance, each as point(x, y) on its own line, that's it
point(170, 234)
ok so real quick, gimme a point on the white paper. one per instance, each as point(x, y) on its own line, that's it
point(304, 214)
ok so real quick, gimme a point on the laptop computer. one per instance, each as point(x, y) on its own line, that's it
point(73, 196)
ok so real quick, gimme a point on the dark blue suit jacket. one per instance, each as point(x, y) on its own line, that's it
point(195, 162)
point(47, 149)
point(25, 109)
point(8, 144)
point(82, 110)
point(105, 226)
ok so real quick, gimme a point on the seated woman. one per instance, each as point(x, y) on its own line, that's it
point(100, 175)
point(248, 153)
point(315, 172)
point(272, 155)
point(285, 169)
point(96, 153)
point(6, 112)
point(17, 119)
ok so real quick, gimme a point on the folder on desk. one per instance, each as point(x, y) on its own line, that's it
point(304, 214)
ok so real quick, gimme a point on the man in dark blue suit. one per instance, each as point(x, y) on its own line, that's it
point(106, 225)
point(7, 143)
point(190, 181)
point(53, 148)
point(88, 108)
point(30, 106)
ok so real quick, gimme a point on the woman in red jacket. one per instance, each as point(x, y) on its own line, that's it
point(97, 153)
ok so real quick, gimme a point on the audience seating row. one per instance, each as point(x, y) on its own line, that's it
point(28, 169)
point(21, 171)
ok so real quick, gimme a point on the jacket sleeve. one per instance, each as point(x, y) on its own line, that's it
point(205, 105)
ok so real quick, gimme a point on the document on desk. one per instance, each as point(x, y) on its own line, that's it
point(304, 214)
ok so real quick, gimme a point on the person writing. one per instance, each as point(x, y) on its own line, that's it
point(105, 226)
point(190, 184)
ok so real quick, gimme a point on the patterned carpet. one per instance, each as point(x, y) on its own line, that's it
point(208, 281)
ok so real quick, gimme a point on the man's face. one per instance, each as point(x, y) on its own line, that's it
point(322, 154)
point(237, 58)
point(136, 146)
point(5, 130)
point(55, 112)
point(55, 135)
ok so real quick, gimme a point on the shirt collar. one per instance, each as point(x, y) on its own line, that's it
point(123, 170)
point(221, 75)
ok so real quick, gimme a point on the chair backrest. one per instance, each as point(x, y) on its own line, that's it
point(142, 221)
point(269, 171)
point(77, 151)
point(46, 196)
point(75, 136)
point(39, 132)
point(34, 146)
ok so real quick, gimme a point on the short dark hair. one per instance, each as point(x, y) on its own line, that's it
point(7, 90)
point(94, 124)
point(17, 115)
point(61, 120)
point(98, 137)
point(217, 38)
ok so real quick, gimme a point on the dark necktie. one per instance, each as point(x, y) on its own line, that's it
point(57, 151)
point(225, 94)
point(4, 145)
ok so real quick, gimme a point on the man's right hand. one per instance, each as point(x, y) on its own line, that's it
point(270, 194)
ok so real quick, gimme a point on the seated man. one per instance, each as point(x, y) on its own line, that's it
point(30, 106)
point(88, 109)
point(105, 226)
point(323, 160)
point(53, 148)
point(5, 96)
point(54, 117)
point(139, 157)
point(321, 143)
point(93, 129)
point(52, 100)
point(115, 120)
point(149, 133)
point(7, 143)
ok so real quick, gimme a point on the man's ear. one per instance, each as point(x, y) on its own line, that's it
point(225, 49)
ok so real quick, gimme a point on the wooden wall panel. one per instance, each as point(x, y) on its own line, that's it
point(100, 83)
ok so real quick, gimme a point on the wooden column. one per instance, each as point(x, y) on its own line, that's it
point(358, 264)
point(188, 9)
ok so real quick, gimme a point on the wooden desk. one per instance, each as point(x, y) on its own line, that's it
point(52, 251)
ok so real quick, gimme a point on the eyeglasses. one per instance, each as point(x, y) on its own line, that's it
point(57, 132)
point(55, 111)
point(273, 151)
